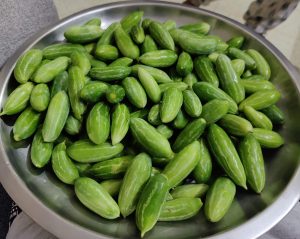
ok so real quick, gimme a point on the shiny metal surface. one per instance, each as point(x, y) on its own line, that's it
point(53, 204)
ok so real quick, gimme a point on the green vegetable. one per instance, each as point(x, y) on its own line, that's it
point(207, 92)
point(236, 42)
point(94, 22)
point(213, 57)
point(115, 94)
point(151, 140)
point(27, 65)
point(84, 151)
point(148, 45)
point(180, 209)
point(123, 61)
point(169, 25)
point(26, 124)
point(253, 161)
point(165, 130)
point(229, 80)
point(192, 131)
point(235, 125)
point(224, 151)
point(62, 165)
point(219, 199)
point(200, 28)
point(255, 77)
point(50, 70)
point(205, 70)
point(239, 66)
point(61, 49)
point(120, 123)
point(145, 23)
point(154, 116)
point(40, 152)
point(247, 73)
point(56, 116)
point(214, 110)
point(125, 44)
point(40, 97)
point(190, 80)
point(110, 73)
point(262, 66)
point(108, 35)
point(203, 169)
point(258, 119)
point(131, 20)
point(171, 104)
point(252, 86)
point(134, 92)
point(151, 203)
point(268, 138)
point(178, 85)
point(159, 58)
point(150, 85)
point(181, 120)
point(59, 83)
point(93, 91)
point(94, 196)
point(274, 114)
point(197, 44)
point(261, 99)
point(159, 104)
point(182, 164)
point(192, 104)
point(98, 123)
point(81, 60)
point(106, 52)
point(137, 34)
point(112, 168)
point(75, 85)
point(73, 125)
point(112, 186)
point(159, 75)
point(83, 34)
point(139, 114)
point(161, 36)
point(239, 54)
point(135, 178)
point(184, 64)
point(189, 191)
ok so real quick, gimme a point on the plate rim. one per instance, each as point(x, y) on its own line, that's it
point(13, 184)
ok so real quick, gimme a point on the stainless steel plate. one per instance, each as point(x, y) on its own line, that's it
point(53, 205)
